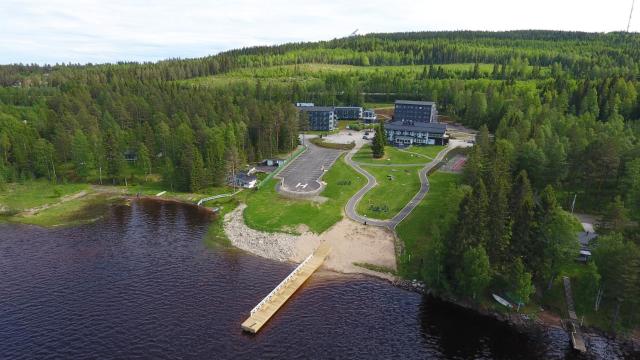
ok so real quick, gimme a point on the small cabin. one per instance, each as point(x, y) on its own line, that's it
point(130, 155)
point(245, 180)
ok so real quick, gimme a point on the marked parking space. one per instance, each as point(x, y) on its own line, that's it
point(304, 173)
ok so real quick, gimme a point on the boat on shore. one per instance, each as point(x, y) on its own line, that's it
point(502, 301)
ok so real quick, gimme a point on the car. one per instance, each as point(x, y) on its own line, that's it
point(365, 137)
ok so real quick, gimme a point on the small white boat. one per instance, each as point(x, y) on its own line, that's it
point(502, 301)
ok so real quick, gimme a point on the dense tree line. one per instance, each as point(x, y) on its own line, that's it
point(563, 108)
point(191, 137)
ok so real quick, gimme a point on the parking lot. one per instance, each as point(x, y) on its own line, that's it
point(304, 173)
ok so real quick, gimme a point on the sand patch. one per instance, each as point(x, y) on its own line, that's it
point(350, 242)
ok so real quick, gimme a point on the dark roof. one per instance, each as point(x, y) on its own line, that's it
point(242, 176)
point(411, 102)
point(315, 108)
point(348, 107)
point(417, 126)
point(585, 238)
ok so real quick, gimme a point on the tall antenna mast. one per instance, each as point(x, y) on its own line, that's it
point(630, 13)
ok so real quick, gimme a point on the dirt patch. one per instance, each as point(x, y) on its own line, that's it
point(37, 209)
point(549, 319)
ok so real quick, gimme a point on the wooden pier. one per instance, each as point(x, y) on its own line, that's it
point(274, 301)
point(577, 341)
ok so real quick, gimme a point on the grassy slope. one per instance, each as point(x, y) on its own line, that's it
point(391, 156)
point(268, 211)
point(437, 210)
point(389, 196)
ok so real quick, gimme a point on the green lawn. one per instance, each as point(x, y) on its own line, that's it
point(153, 188)
point(427, 150)
point(391, 156)
point(268, 211)
point(20, 196)
point(396, 186)
point(433, 216)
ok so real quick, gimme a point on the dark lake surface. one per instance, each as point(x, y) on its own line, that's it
point(142, 283)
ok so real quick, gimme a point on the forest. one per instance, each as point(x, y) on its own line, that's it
point(558, 114)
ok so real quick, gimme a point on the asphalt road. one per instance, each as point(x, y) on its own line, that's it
point(350, 208)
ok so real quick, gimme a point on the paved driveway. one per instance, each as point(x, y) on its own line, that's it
point(303, 174)
point(350, 208)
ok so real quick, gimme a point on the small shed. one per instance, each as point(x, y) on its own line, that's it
point(274, 162)
point(585, 256)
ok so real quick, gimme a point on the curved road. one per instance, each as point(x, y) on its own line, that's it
point(350, 208)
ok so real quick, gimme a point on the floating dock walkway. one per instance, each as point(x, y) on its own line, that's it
point(276, 298)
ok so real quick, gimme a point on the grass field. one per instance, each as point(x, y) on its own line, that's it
point(429, 150)
point(432, 216)
point(74, 212)
point(396, 186)
point(269, 211)
point(20, 196)
point(391, 156)
point(308, 73)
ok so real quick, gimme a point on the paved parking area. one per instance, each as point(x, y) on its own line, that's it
point(303, 174)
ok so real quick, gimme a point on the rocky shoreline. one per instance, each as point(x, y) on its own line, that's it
point(275, 246)
point(521, 322)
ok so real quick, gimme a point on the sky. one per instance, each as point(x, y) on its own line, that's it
point(99, 31)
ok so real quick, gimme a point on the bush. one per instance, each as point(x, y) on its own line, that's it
point(322, 143)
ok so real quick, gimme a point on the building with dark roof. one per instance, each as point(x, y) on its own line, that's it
point(244, 179)
point(415, 123)
point(348, 112)
point(416, 111)
point(369, 116)
point(405, 133)
point(320, 118)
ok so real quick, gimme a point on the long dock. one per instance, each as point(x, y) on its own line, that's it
point(577, 341)
point(279, 296)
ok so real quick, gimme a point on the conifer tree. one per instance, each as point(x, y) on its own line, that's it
point(474, 275)
point(522, 210)
point(197, 173)
point(520, 281)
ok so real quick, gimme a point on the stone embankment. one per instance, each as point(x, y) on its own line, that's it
point(276, 246)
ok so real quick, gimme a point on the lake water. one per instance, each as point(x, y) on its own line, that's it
point(142, 283)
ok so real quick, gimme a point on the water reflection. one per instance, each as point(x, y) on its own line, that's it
point(142, 283)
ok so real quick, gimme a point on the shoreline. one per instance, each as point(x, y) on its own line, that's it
point(546, 321)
